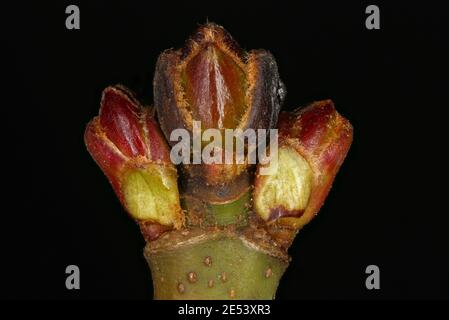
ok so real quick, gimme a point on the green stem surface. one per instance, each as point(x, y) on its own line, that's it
point(212, 265)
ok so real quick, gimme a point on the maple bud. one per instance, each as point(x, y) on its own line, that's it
point(313, 143)
point(214, 81)
point(128, 146)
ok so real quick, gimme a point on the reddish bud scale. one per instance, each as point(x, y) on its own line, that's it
point(215, 84)
point(120, 120)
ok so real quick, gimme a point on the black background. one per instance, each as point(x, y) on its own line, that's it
point(387, 203)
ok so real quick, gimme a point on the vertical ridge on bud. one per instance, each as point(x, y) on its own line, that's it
point(120, 120)
point(215, 88)
point(128, 146)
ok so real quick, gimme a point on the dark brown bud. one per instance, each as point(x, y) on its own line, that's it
point(213, 81)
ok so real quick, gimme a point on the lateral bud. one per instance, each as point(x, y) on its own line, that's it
point(128, 146)
point(313, 142)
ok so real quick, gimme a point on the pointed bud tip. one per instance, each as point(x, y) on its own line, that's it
point(216, 34)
